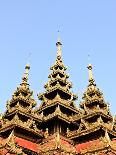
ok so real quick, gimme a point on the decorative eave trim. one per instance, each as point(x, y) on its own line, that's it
point(24, 113)
point(58, 116)
point(17, 125)
point(93, 114)
point(111, 132)
point(58, 102)
point(90, 130)
point(84, 132)
point(58, 88)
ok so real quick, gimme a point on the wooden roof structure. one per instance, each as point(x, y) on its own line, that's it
point(57, 126)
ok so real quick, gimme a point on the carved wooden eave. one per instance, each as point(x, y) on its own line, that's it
point(110, 131)
point(89, 101)
point(92, 114)
point(103, 112)
point(91, 129)
point(93, 89)
point(63, 80)
point(60, 116)
point(24, 113)
point(79, 133)
point(30, 101)
point(78, 117)
point(18, 107)
point(60, 79)
point(13, 125)
point(58, 100)
point(58, 87)
point(57, 64)
point(32, 132)
point(24, 89)
point(56, 71)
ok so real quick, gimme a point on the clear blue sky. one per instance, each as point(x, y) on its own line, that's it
point(86, 27)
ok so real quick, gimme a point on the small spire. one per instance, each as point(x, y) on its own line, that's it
point(27, 67)
point(59, 44)
point(91, 79)
point(25, 76)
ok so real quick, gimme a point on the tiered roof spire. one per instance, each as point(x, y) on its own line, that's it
point(20, 112)
point(58, 82)
point(58, 97)
point(22, 93)
point(92, 95)
point(96, 118)
point(59, 49)
point(91, 78)
point(26, 74)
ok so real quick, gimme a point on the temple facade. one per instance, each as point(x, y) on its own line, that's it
point(57, 126)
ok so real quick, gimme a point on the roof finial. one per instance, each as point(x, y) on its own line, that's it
point(59, 44)
point(25, 76)
point(91, 78)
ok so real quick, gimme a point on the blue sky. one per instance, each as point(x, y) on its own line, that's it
point(86, 27)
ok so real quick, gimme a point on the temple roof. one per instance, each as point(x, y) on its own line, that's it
point(93, 99)
point(58, 83)
point(57, 126)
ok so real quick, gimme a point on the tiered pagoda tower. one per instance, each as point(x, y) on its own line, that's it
point(19, 122)
point(57, 126)
point(96, 133)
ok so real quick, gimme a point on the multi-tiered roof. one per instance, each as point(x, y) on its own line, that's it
point(96, 132)
point(57, 126)
point(19, 117)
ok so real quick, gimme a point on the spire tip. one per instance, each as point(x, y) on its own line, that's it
point(59, 44)
point(91, 78)
point(26, 74)
point(27, 66)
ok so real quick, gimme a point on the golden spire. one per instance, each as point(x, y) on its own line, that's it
point(59, 44)
point(91, 78)
point(25, 76)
